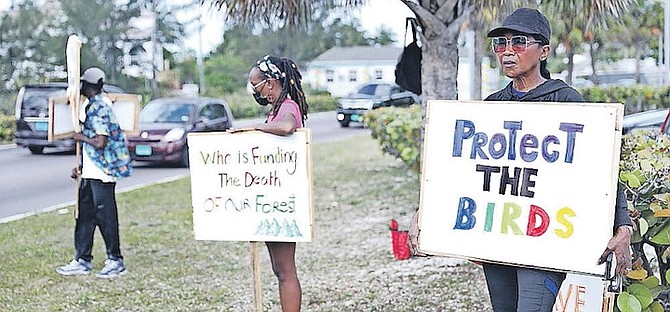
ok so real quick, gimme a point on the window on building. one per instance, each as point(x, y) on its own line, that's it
point(352, 76)
point(330, 75)
point(378, 74)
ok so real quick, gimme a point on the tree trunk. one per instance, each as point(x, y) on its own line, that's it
point(476, 25)
point(638, 63)
point(439, 67)
point(592, 54)
point(570, 53)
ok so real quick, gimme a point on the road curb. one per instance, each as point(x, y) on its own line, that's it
point(7, 146)
point(71, 203)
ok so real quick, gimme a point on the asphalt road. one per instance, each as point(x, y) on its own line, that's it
point(36, 183)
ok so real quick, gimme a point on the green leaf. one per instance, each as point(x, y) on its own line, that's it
point(651, 282)
point(655, 307)
point(662, 237)
point(667, 275)
point(634, 181)
point(643, 226)
point(628, 303)
point(642, 294)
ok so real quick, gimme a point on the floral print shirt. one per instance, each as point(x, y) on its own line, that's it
point(114, 159)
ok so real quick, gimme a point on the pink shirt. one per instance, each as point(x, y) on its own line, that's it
point(288, 106)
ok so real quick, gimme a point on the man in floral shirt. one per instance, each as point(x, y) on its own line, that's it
point(105, 159)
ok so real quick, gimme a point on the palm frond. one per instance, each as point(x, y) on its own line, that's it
point(274, 12)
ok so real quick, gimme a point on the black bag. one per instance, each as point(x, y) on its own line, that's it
point(408, 69)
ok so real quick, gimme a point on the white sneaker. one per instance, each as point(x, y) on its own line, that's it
point(113, 268)
point(75, 267)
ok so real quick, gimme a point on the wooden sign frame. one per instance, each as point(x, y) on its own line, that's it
point(126, 107)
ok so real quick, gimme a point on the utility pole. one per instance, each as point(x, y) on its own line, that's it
point(154, 34)
point(201, 70)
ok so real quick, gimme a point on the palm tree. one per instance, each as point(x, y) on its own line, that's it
point(440, 21)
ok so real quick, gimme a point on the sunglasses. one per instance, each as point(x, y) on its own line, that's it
point(519, 44)
point(260, 84)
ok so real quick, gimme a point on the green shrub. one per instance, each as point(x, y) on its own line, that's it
point(321, 102)
point(243, 104)
point(636, 98)
point(645, 172)
point(7, 128)
point(398, 131)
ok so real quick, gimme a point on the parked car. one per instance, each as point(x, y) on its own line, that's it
point(32, 115)
point(658, 118)
point(164, 123)
point(370, 96)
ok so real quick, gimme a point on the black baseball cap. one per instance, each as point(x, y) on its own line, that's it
point(526, 21)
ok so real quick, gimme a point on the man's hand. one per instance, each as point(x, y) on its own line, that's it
point(413, 236)
point(78, 136)
point(619, 244)
point(76, 172)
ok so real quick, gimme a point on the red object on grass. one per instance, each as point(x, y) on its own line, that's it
point(399, 241)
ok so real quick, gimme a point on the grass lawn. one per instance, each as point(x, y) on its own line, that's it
point(349, 266)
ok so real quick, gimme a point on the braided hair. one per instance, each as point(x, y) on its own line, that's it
point(286, 71)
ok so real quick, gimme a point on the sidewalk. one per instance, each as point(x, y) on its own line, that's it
point(7, 146)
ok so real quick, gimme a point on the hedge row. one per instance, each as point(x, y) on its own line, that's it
point(7, 128)
point(398, 130)
point(636, 98)
point(243, 105)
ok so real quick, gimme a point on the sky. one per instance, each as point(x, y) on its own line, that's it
point(390, 13)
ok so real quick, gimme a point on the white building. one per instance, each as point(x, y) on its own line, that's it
point(341, 69)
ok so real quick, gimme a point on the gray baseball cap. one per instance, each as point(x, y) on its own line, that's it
point(93, 75)
point(526, 21)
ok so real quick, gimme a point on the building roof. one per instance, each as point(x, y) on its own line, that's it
point(359, 53)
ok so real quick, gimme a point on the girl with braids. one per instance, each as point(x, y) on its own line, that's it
point(277, 82)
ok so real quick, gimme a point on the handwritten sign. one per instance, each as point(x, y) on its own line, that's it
point(126, 108)
point(531, 184)
point(251, 186)
point(580, 293)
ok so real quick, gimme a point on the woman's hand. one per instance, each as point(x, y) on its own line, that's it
point(619, 244)
point(236, 130)
point(413, 236)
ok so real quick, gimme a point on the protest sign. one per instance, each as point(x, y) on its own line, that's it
point(530, 184)
point(251, 186)
point(580, 293)
point(126, 108)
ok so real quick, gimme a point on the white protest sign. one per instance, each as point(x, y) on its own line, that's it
point(530, 184)
point(580, 293)
point(126, 108)
point(251, 186)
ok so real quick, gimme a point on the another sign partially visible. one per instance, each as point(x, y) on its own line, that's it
point(580, 293)
point(529, 184)
point(126, 108)
point(251, 186)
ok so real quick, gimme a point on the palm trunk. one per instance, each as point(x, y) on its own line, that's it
point(439, 67)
